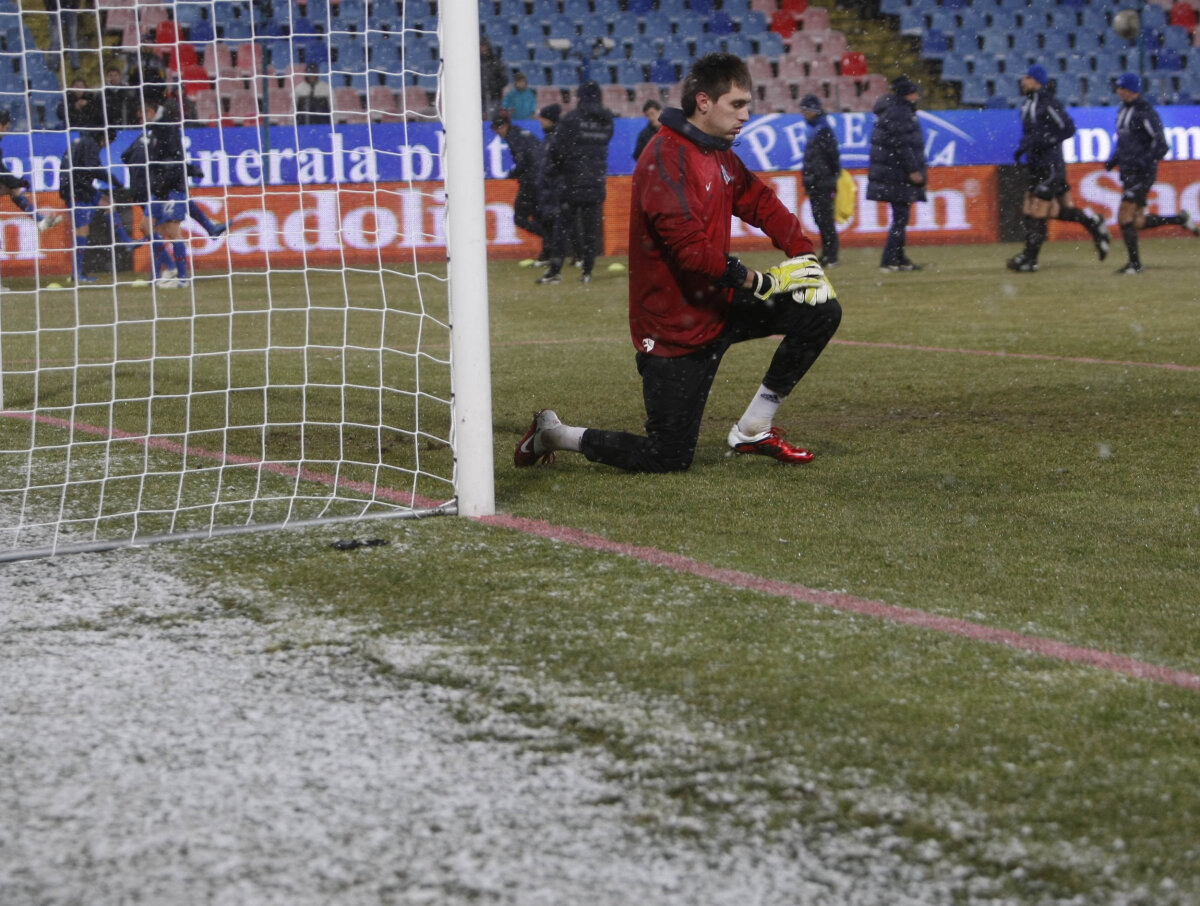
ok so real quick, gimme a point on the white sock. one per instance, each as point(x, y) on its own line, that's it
point(760, 414)
point(563, 437)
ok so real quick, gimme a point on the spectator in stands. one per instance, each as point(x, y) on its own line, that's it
point(822, 164)
point(527, 158)
point(120, 100)
point(1141, 144)
point(82, 108)
point(85, 186)
point(651, 109)
point(520, 101)
point(690, 300)
point(1045, 125)
point(493, 75)
point(897, 168)
point(579, 154)
point(313, 107)
point(14, 186)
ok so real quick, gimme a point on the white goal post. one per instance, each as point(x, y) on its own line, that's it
point(315, 348)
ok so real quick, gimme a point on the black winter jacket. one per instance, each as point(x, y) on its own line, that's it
point(897, 150)
point(822, 162)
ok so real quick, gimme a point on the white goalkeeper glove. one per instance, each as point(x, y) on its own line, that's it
point(802, 276)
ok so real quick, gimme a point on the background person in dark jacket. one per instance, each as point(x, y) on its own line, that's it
point(822, 164)
point(897, 168)
point(1141, 144)
point(579, 152)
point(556, 242)
point(1045, 125)
point(527, 167)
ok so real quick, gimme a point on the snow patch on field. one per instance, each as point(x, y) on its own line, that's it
point(162, 744)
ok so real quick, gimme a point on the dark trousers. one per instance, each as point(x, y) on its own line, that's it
point(675, 390)
point(893, 249)
point(822, 210)
point(588, 220)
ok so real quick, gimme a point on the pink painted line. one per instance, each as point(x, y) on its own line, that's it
point(846, 603)
point(1030, 356)
point(1074, 654)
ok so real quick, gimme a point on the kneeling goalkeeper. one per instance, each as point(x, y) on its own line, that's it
point(690, 300)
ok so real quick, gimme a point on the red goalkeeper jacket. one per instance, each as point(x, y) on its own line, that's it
point(686, 188)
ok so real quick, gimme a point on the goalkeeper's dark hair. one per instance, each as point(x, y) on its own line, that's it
point(714, 74)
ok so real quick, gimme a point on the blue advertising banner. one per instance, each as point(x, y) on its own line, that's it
point(400, 152)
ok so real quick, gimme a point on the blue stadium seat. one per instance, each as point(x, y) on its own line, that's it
point(954, 68)
point(912, 22)
point(663, 72)
point(676, 47)
point(564, 72)
point(934, 45)
point(990, 42)
point(1168, 60)
point(770, 45)
point(941, 20)
point(1176, 38)
point(1153, 17)
point(998, 102)
point(975, 91)
point(630, 72)
point(986, 65)
point(1053, 42)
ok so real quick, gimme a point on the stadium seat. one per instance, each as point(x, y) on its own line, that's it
point(249, 57)
point(381, 104)
point(1176, 38)
point(348, 106)
point(280, 107)
point(777, 98)
point(854, 64)
point(934, 45)
point(815, 18)
point(1184, 16)
point(720, 23)
point(760, 67)
point(207, 108)
point(663, 72)
point(830, 43)
point(243, 107)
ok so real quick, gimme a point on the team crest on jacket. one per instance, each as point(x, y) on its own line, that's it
point(648, 344)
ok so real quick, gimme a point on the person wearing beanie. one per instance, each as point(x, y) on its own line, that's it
point(1141, 144)
point(578, 155)
point(897, 170)
point(822, 164)
point(1045, 125)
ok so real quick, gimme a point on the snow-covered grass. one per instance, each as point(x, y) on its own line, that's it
point(467, 714)
point(169, 744)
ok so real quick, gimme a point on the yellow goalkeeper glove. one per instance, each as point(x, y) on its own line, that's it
point(802, 276)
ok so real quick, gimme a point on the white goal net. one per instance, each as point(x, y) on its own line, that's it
point(302, 348)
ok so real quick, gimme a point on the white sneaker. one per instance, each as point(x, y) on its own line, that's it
point(48, 222)
point(527, 452)
point(171, 283)
point(1189, 224)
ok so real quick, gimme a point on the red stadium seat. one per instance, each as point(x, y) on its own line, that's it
point(854, 64)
